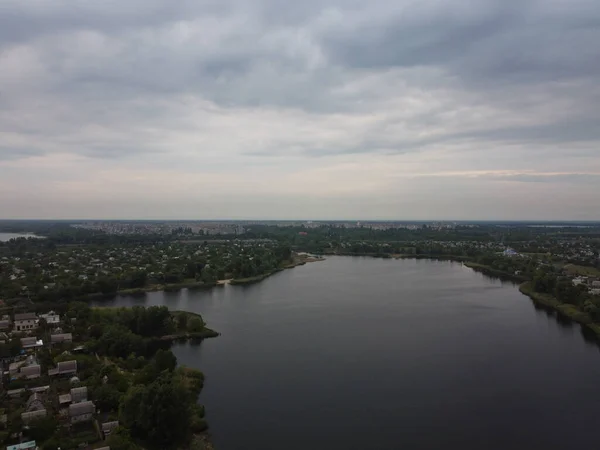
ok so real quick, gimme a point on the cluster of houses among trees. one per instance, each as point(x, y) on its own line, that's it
point(68, 379)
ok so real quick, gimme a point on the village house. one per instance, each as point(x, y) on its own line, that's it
point(28, 417)
point(5, 323)
point(34, 409)
point(25, 322)
point(31, 372)
point(15, 393)
point(31, 342)
point(60, 338)
point(64, 400)
point(64, 368)
point(81, 412)
point(51, 318)
point(79, 394)
point(109, 427)
point(13, 368)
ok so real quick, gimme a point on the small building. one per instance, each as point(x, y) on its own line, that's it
point(40, 389)
point(34, 403)
point(28, 417)
point(595, 284)
point(4, 323)
point(13, 368)
point(60, 338)
point(109, 427)
point(64, 368)
point(25, 322)
point(79, 394)
point(64, 399)
point(81, 412)
point(51, 318)
point(67, 367)
point(15, 393)
point(31, 372)
point(31, 342)
point(28, 342)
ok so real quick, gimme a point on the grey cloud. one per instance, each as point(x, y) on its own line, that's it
point(114, 81)
point(11, 153)
point(23, 21)
point(578, 178)
point(491, 40)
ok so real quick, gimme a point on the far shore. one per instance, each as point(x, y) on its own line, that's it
point(300, 259)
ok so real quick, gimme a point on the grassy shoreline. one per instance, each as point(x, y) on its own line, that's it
point(490, 271)
point(254, 279)
point(205, 333)
point(566, 310)
point(299, 260)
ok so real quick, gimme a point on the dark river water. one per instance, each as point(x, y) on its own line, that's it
point(360, 353)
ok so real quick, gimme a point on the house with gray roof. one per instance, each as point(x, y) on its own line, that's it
point(60, 338)
point(34, 403)
point(51, 318)
point(109, 427)
point(28, 417)
point(31, 372)
point(81, 412)
point(79, 394)
point(64, 368)
point(31, 342)
point(4, 324)
point(64, 399)
point(25, 322)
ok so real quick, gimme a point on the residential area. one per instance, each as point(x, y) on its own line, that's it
point(31, 268)
point(42, 382)
point(66, 377)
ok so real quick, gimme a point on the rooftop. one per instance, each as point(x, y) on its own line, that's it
point(25, 316)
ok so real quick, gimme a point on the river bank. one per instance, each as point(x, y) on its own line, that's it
point(567, 310)
point(299, 259)
point(490, 271)
point(201, 331)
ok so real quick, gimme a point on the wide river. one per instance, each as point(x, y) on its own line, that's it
point(360, 353)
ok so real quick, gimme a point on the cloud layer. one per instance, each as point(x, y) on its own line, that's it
point(318, 109)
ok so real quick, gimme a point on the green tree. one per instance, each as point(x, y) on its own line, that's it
point(165, 360)
point(107, 397)
point(158, 414)
point(195, 325)
point(42, 429)
point(120, 439)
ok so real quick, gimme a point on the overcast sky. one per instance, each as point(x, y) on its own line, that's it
point(424, 109)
